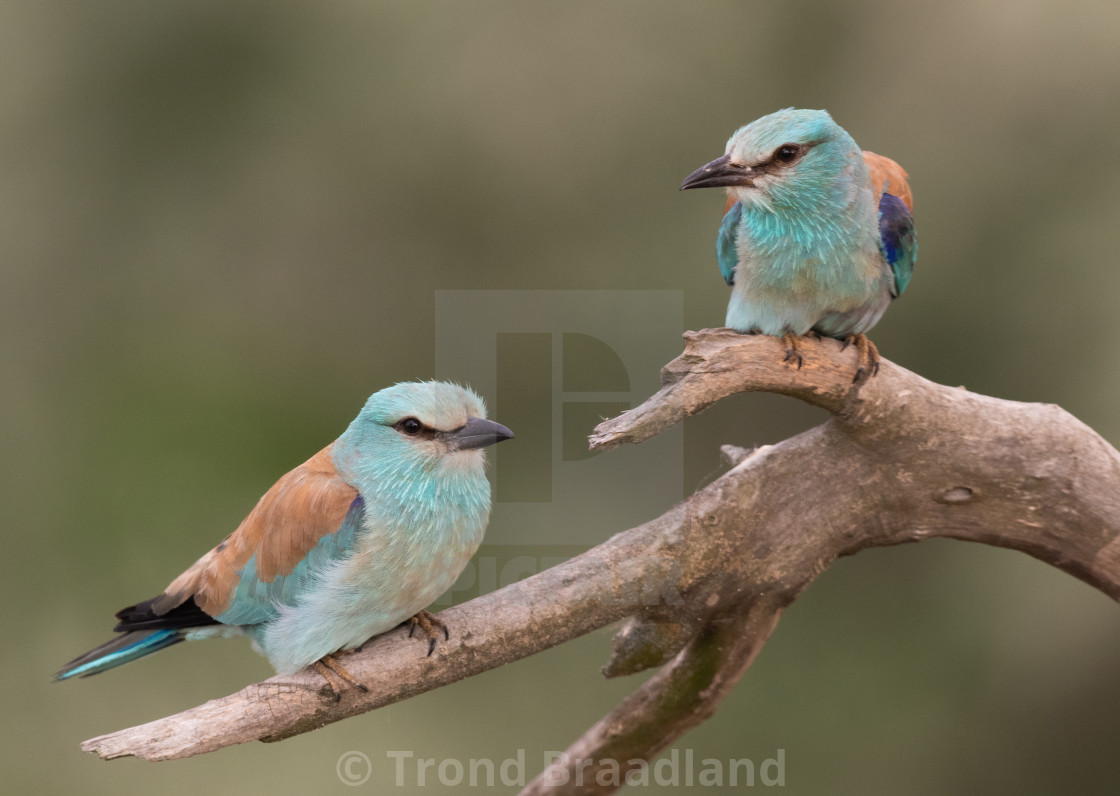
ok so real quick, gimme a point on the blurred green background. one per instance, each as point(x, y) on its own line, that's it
point(223, 226)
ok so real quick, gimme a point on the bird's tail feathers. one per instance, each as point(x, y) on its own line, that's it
point(119, 651)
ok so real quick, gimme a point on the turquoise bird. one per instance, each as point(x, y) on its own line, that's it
point(817, 236)
point(353, 542)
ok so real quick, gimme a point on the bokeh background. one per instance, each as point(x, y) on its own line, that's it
point(222, 225)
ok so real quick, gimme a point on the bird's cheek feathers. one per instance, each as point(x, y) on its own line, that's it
point(442, 457)
point(463, 461)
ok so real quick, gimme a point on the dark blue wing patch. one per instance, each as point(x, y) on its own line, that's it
point(898, 240)
point(727, 250)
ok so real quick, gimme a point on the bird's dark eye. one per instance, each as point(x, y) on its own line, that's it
point(787, 153)
point(410, 426)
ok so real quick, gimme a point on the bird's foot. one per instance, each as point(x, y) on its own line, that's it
point(431, 625)
point(868, 356)
point(336, 675)
point(793, 349)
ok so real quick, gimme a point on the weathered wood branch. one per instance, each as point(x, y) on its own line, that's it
point(900, 460)
point(683, 694)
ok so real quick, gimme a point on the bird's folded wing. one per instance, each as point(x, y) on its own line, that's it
point(897, 240)
point(309, 517)
point(897, 237)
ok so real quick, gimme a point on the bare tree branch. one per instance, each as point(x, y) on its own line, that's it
point(677, 698)
point(902, 459)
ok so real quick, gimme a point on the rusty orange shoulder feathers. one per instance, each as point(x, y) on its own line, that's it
point(300, 509)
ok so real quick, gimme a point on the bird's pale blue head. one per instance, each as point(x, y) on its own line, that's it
point(791, 158)
point(428, 426)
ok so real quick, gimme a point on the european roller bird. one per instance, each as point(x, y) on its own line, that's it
point(816, 237)
point(353, 542)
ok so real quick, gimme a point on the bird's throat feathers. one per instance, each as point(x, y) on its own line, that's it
point(419, 494)
point(816, 220)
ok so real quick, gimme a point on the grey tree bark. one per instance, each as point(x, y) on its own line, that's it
point(900, 460)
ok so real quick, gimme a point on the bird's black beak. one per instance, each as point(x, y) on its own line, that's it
point(720, 173)
point(478, 433)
